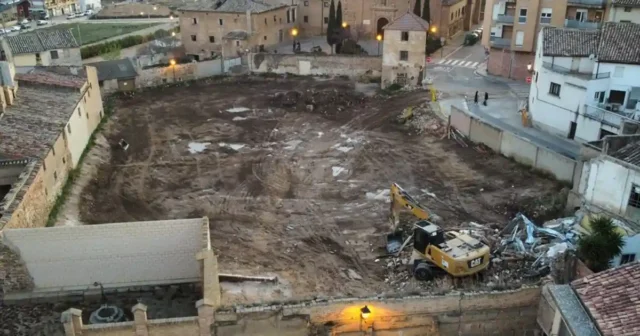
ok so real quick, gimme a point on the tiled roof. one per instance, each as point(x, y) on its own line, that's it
point(408, 22)
point(61, 76)
point(569, 42)
point(115, 69)
point(629, 153)
point(41, 40)
point(232, 6)
point(626, 3)
point(619, 43)
point(612, 298)
point(40, 112)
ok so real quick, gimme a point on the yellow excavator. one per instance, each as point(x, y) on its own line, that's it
point(434, 249)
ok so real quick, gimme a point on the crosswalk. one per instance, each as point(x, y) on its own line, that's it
point(458, 63)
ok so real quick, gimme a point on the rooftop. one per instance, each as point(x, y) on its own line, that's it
point(612, 298)
point(626, 3)
point(232, 6)
point(115, 69)
point(619, 42)
point(41, 40)
point(569, 42)
point(576, 318)
point(61, 76)
point(30, 126)
point(630, 153)
point(408, 22)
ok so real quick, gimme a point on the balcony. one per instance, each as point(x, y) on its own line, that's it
point(569, 23)
point(588, 3)
point(575, 73)
point(505, 18)
point(498, 42)
point(610, 118)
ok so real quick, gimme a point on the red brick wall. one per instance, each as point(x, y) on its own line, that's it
point(509, 65)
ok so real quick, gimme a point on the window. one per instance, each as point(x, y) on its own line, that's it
point(265, 37)
point(306, 19)
point(545, 15)
point(237, 43)
point(275, 19)
point(195, 21)
point(79, 112)
point(265, 22)
point(404, 36)
point(306, 3)
point(288, 16)
point(627, 9)
point(618, 72)
point(54, 54)
point(522, 18)
point(326, 20)
point(404, 55)
point(627, 258)
point(519, 38)
point(293, 15)
point(193, 38)
point(326, 4)
point(627, 21)
point(69, 128)
point(212, 39)
point(462, 11)
point(554, 89)
point(55, 175)
point(53, 150)
point(599, 97)
point(634, 197)
point(64, 160)
point(44, 165)
point(220, 21)
point(87, 114)
point(451, 16)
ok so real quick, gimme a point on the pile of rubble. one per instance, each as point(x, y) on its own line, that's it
point(422, 119)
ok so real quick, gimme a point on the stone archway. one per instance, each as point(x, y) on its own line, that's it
point(380, 24)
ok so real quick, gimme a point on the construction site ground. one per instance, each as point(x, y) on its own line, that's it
point(293, 174)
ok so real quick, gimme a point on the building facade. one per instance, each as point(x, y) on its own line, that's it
point(42, 48)
point(404, 55)
point(585, 83)
point(61, 7)
point(624, 11)
point(210, 30)
point(514, 26)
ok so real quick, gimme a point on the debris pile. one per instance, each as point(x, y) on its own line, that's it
point(330, 102)
point(421, 119)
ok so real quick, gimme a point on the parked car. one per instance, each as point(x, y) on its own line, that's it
point(24, 21)
point(88, 12)
point(24, 26)
point(478, 32)
point(71, 16)
point(42, 22)
point(15, 28)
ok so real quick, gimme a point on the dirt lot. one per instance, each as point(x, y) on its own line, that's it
point(293, 175)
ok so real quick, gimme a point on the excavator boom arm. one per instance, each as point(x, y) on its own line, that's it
point(400, 199)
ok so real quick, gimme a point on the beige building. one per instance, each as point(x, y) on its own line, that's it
point(49, 116)
point(512, 26)
point(42, 47)
point(210, 30)
point(624, 11)
point(61, 7)
point(404, 57)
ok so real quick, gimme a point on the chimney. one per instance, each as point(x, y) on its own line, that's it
point(249, 25)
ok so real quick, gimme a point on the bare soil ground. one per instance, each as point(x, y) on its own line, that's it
point(289, 189)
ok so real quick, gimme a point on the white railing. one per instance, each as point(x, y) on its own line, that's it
point(610, 118)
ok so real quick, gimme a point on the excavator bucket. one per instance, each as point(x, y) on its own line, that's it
point(394, 242)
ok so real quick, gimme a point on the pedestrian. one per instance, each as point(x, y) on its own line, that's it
point(475, 99)
point(298, 46)
point(486, 97)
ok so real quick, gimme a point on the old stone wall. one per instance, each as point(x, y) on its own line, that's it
point(30, 205)
point(14, 275)
point(316, 65)
point(133, 10)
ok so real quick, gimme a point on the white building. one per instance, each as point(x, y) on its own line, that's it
point(586, 84)
point(610, 185)
point(95, 5)
point(624, 11)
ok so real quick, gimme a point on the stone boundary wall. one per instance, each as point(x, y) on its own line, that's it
point(316, 65)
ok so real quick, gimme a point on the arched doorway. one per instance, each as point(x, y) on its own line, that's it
point(381, 23)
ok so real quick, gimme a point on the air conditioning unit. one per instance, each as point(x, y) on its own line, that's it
point(616, 107)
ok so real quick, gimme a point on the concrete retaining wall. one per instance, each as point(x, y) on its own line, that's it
point(116, 255)
point(316, 65)
point(513, 146)
point(184, 72)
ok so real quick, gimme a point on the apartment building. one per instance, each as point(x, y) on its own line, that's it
point(624, 11)
point(514, 26)
point(229, 28)
point(61, 7)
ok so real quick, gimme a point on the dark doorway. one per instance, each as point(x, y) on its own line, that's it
point(604, 133)
point(572, 130)
point(381, 23)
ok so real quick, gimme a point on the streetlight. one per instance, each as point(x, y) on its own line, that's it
point(294, 32)
point(170, 17)
point(379, 38)
point(434, 29)
point(172, 62)
point(344, 25)
point(529, 67)
point(173, 33)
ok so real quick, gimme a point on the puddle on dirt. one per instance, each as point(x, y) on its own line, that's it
point(235, 147)
point(198, 147)
point(238, 110)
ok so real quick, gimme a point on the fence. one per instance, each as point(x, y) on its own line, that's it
point(513, 146)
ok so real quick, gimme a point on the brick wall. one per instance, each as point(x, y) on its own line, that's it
point(508, 64)
point(316, 65)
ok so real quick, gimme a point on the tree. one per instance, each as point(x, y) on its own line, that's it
point(416, 7)
point(603, 244)
point(339, 31)
point(339, 16)
point(331, 25)
point(426, 11)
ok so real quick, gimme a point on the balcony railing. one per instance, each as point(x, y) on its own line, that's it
point(610, 118)
point(545, 20)
point(569, 23)
point(505, 18)
point(588, 3)
point(567, 71)
point(498, 42)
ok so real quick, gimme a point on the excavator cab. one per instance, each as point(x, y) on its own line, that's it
point(425, 234)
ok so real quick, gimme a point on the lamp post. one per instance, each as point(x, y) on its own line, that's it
point(294, 34)
point(172, 62)
point(379, 38)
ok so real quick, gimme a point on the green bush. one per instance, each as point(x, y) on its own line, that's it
point(433, 44)
point(125, 42)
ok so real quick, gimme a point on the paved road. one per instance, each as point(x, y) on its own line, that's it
point(456, 76)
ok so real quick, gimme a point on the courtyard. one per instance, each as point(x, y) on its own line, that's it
point(294, 176)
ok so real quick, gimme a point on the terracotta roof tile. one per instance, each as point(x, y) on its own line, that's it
point(612, 298)
point(626, 3)
point(41, 40)
point(232, 6)
point(408, 22)
point(619, 43)
point(569, 42)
